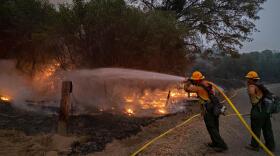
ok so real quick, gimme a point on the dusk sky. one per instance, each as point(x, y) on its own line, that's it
point(269, 27)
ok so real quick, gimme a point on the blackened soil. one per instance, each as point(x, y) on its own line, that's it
point(100, 129)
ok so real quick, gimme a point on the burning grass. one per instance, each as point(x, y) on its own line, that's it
point(5, 98)
point(159, 102)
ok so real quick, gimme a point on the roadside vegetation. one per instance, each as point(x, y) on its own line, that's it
point(163, 36)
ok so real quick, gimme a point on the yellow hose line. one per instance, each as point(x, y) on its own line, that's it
point(243, 121)
point(163, 134)
point(170, 130)
point(234, 95)
point(237, 113)
point(234, 114)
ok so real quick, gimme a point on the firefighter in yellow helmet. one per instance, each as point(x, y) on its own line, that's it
point(260, 119)
point(198, 84)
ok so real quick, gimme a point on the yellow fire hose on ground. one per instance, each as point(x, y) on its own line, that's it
point(163, 134)
point(242, 120)
point(189, 119)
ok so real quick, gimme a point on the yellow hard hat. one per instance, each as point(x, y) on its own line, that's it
point(252, 75)
point(197, 75)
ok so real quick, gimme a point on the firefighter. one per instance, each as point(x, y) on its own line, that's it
point(260, 120)
point(198, 84)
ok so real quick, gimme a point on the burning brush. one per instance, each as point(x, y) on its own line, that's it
point(5, 99)
point(159, 102)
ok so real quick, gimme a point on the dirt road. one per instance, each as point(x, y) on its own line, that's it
point(190, 139)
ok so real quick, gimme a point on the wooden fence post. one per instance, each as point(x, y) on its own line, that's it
point(65, 104)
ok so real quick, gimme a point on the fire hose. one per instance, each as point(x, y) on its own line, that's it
point(237, 113)
point(242, 120)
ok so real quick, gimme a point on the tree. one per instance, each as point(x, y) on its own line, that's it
point(224, 24)
point(91, 34)
point(108, 33)
point(24, 29)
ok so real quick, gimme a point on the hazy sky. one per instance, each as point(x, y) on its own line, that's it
point(269, 27)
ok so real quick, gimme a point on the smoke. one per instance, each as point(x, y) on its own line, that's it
point(93, 90)
point(106, 88)
point(21, 88)
point(13, 84)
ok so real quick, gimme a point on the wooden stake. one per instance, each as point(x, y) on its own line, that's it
point(65, 105)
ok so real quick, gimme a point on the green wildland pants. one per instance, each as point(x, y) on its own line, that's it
point(212, 125)
point(260, 121)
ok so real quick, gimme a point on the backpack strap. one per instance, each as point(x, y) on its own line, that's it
point(263, 89)
point(264, 92)
point(206, 89)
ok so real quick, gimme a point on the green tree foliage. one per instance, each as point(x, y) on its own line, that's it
point(110, 33)
point(96, 33)
point(225, 24)
point(23, 31)
point(121, 36)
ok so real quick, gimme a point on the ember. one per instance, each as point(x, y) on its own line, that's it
point(130, 112)
point(5, 99)
point(193, 95)
point(158, 101)
point(162, 111)
point(47, 75)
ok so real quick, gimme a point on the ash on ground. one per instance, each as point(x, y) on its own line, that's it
point(98, 129)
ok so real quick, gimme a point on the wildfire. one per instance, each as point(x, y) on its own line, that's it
point(193, 95)
point(5, 99)
point(157, 101)
point(45, 77)
point(130, 112)
point(162, 111)
point(48, 71)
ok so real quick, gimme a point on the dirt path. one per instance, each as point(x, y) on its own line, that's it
point(16, 143)
point(190, 139)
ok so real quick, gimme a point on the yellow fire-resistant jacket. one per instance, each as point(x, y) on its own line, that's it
point(255, 94)
point(201, 92)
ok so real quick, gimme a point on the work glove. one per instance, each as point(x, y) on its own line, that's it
point(223, 110)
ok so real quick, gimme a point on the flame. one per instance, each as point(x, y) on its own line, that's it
point(48, 71)
point(193, 94)
point(46, 77)
point(129, 111)
point(157, 100)
point(162, 111)
point(4, 98)
point(129, 99)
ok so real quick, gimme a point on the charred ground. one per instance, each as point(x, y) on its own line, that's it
point(99, 129)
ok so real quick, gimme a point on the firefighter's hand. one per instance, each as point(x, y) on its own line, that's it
point(223, 110)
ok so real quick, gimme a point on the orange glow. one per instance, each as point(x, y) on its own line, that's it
point(193, 94)
point(162, 111)
point(155, 100)
point(45, 78)
point(128, 99)
point(130, 112)
point(48, 71)
point(4, 98)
